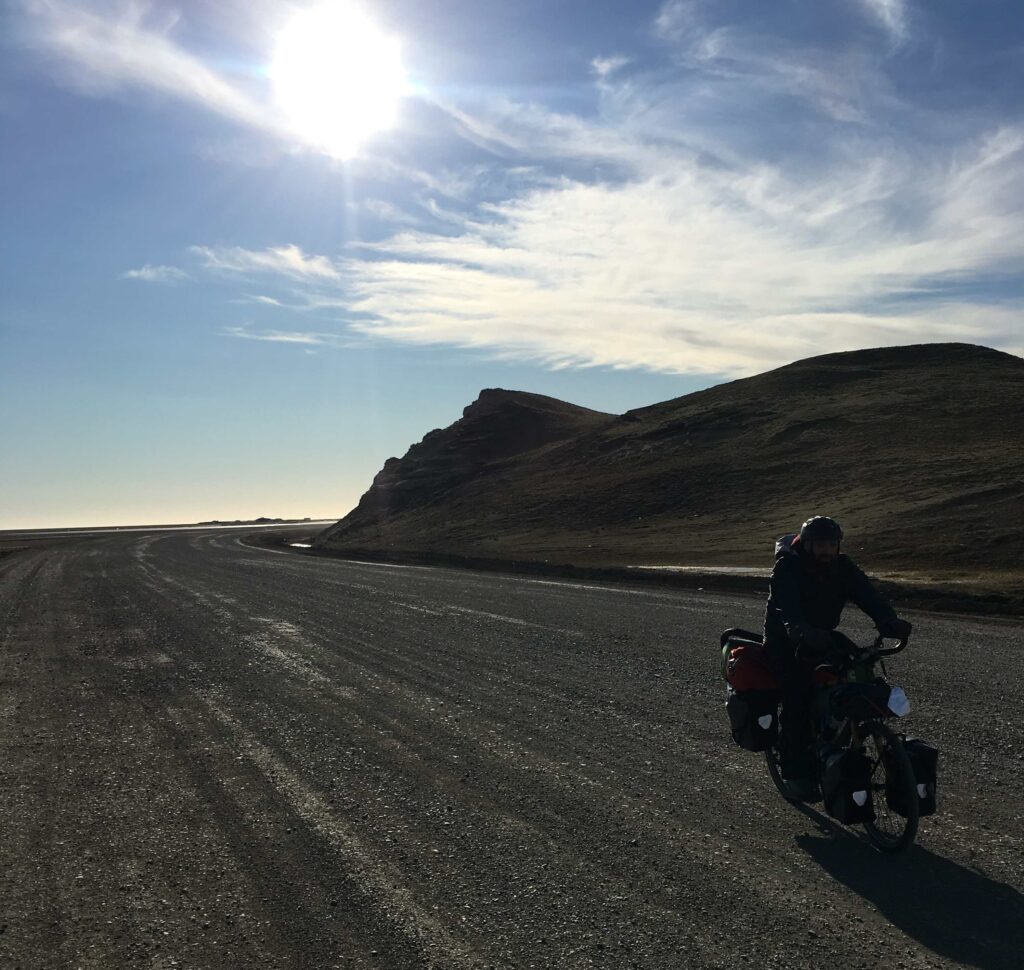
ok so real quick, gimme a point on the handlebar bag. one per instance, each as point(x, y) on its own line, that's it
point(846, 786)
point(924, 759)
point(753, 718)
point(861, 702)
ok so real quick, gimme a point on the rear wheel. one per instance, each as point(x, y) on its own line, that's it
point(772, 757)
point(892, 782)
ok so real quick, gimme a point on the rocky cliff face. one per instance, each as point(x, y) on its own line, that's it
point(918, 450)
point(499, 426)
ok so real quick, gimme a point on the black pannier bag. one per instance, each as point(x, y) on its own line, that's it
point(846, 785)
point(924, 759)
point(753, 718)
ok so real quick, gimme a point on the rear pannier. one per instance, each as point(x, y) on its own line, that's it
point(924, 759)
point(752, 702)
point(846, 785)
point(746, 665)
point(753, 718)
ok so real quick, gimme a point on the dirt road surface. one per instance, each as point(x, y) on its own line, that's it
point(220, 756)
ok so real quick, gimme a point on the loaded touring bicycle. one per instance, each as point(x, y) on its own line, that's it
point(870, 774)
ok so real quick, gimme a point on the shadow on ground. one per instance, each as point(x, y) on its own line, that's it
point(957, 913)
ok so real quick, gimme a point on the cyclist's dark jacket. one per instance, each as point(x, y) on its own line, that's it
point(801, 594)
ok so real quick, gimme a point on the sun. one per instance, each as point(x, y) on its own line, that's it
point(337, 78)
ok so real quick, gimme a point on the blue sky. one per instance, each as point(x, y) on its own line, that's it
point(206, 313)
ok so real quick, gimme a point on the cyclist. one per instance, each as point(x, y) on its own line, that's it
point(811, 583)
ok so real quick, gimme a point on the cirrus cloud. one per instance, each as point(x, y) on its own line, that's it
point(891, 14)
point(156, 274)
point(696, 267)
point(288, 260)
point(131, 46)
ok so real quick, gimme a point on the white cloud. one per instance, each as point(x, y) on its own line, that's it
point(745, 68)
point(109, 48)
point(891, 14)
point(663, 278)
point(676, 18)
point(654, 235)
point(289, 261)
point(690, 267)
point(389, 212)
point(305, 299)
point(156, 274)
point(307, 338)
point(605, 66)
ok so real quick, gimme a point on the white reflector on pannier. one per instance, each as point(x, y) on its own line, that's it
point(765, 720)
point(860, 797)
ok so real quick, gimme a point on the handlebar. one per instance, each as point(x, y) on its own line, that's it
point(875, 652)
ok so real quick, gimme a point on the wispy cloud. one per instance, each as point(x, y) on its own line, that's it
point(891, 14)
point(289, 261)
point(747, 67)
point(676, 18)
point(302, 338)
point(389, 212)
point(697, 251)
point(693, 274)
point(684, 227)
point(696, 267)
point(130, 45)
point(604, 66)
point(156, 274)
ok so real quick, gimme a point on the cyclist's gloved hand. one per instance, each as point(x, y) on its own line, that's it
point(895, 628)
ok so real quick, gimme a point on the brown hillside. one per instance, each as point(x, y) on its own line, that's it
point(500, 425)
point(917, 450)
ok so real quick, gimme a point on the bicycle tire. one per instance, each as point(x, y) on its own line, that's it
point(891, 831)
point(771, 757)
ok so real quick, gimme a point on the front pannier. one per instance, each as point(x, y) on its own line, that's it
point(846, 785)
point(753, 718)
point(924, 759)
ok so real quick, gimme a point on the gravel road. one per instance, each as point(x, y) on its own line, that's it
point(214, 755)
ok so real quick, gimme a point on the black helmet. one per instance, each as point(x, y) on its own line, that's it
point(820, 527)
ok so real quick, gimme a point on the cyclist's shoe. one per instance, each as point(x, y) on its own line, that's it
point(802, 790)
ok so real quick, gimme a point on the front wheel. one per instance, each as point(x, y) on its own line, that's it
point(892, 783)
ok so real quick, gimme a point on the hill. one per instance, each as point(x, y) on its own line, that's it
point(918, 450)
point(499, 427)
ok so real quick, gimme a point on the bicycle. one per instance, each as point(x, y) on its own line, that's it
point(857, 725)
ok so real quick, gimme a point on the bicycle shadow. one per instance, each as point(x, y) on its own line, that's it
point(955, 912)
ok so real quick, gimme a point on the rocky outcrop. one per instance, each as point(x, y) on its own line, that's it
point(500, 425)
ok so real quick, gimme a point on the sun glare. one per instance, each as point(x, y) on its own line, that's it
point(336, 77)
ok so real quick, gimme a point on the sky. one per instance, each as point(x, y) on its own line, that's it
point(249, 250)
